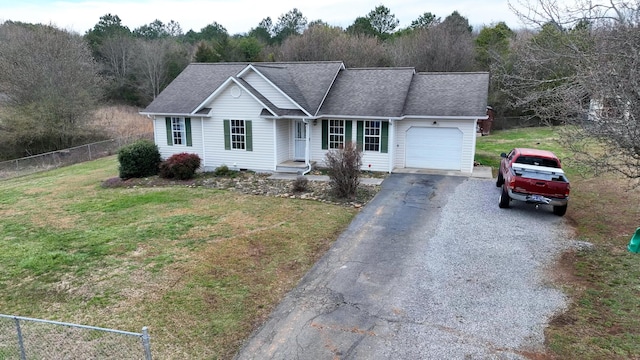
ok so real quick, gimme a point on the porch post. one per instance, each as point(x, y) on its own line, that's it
point(392, 145)
point(307, 143)
point(275, 146)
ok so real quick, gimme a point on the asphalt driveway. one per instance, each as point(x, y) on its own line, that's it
point(430, 269)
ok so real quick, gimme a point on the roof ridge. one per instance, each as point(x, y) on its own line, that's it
point(384, 68)
point(451, 72)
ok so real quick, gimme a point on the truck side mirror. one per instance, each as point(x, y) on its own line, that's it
point(503, 155)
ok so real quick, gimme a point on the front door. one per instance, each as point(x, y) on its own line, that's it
point(300, 139)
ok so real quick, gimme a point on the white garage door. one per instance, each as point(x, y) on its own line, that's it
point(434, 148)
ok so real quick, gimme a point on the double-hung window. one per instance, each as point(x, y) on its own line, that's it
point(372, 135)
point(336, 134)
point(178, 131)
point(238, 139)
point(238, 135)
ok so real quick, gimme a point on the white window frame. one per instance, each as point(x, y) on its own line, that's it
point(336, 134)
point(238, 134)
point(372, 135)
point(178, 131)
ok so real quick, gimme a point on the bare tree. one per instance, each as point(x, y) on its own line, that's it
point(151, 64)
point(323, 43)
point(314, 44)
point(437, 48)
point(51, 84)
point(581, 69)
point(118, 54)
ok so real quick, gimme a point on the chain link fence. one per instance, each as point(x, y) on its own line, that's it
point(56, 159)
point(24, 338)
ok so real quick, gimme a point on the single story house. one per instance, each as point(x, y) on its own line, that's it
point(285, 116)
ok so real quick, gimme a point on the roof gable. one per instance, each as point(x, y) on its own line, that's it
point(192, 87)
point(307, 83)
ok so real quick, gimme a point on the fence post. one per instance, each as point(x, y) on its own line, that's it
point(146, 343)
point(89, 146)
point(23, 355)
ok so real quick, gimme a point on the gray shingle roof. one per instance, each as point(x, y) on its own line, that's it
point(194, 84)
point(376, 92)
point(448, 94)
point(369, 92)
point(305, 82)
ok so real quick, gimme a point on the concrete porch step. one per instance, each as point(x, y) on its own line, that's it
point(293, 167)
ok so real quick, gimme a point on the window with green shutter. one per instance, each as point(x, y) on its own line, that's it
point(238, 135)
point(335, 133)
point(178, 131)
point(372, 135)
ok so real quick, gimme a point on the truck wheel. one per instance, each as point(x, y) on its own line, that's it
point(500, 180)
point(560, 210)
point(504, 199)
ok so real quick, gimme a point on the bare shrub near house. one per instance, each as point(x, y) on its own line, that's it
point(344, 170)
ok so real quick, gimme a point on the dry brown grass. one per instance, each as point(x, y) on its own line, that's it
point(121, 121)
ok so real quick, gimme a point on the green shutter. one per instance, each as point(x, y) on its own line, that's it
point(384, 137)
point(325, 134)
point(360, 135)
point(248, 136)
point(348, 131)
point(169, 132)
point(227, 135)
point(187, 125)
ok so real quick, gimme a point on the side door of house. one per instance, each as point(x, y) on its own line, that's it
point(300, 140)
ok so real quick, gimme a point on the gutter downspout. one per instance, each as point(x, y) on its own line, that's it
point(307, 140)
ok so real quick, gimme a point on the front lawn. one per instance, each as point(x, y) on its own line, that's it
point(200, 267)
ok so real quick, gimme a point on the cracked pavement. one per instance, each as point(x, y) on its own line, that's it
point(431, 268)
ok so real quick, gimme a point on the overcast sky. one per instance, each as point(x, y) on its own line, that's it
point(239, 16)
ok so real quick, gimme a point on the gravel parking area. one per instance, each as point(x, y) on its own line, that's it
point(430, 269)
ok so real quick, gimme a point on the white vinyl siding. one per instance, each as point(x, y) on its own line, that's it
point(283, 141)
point(160, 138)
point(226, 106)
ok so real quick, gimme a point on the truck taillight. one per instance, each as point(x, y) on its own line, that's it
point(512, 183)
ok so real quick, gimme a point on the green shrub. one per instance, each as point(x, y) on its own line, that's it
point(224, 170)
point(180, 166)
point(138, 160)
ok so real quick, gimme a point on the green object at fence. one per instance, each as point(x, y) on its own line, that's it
point(634, 244)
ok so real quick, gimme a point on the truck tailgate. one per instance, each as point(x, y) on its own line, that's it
point(532, 179)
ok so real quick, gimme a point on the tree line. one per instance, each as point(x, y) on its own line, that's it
point(551, 71)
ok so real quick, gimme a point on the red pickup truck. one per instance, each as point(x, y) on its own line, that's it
point(533, 176)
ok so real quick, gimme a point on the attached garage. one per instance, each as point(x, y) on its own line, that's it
point(434, 148)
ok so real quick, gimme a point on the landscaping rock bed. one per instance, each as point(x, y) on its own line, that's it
point(255, 184)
